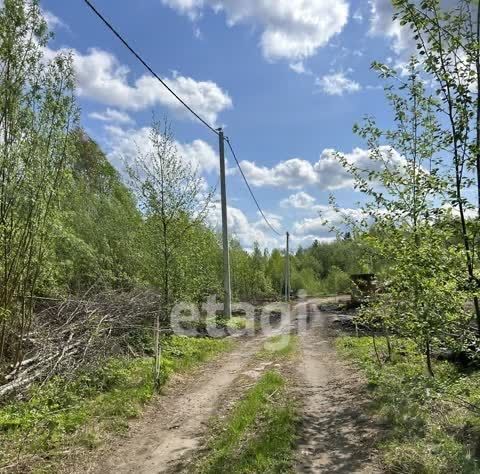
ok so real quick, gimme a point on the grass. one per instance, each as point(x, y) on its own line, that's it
point(433, 423)
point(65, 416)
point(259, 435)
point(280, 347)
point(234, 323)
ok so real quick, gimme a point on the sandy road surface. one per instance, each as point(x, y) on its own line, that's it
point(336, 432)
point(173, 426)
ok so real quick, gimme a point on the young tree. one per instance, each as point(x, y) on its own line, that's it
point(173, 200)
point(37, 109)
point(408, 187)
point(448, 43)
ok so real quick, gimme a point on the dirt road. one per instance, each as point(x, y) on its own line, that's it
point(173, 426)
point(336, 433)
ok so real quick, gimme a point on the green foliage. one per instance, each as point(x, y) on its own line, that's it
point(325, 268)
point(433, 425)
point(38, 112)
point(78, 413)
point(97, 231)
point(258, 435)
point(250, 279)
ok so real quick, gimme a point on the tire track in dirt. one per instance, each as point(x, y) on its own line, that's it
point(173, 427)
point(337, 433)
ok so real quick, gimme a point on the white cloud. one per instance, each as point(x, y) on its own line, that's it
point(125, 144)
point(200, 153)
point(52, 20)
point(327, 173)
point(112, 115)
point(299, 200)
point(382, 24)
point(291, 29)
point(332, 175)
point(337, 84)
point(358, 16)
point(293, 174)
point(321, 225)
point(300, 68)
point(307, 240)
point(102, 78)
point(245, 230)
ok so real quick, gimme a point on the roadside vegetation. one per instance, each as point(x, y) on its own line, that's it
point(65, 417)
point(259, 434)
point(420, 224)
point(432, 424)
point(282, 346)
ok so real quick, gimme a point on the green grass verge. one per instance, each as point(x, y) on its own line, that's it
point(259, 435)
point(64, 416)
point(433, 423)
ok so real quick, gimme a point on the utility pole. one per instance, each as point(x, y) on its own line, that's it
point(226, 254)
point(287, 270)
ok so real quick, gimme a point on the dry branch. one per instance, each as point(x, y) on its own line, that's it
point(70, 335)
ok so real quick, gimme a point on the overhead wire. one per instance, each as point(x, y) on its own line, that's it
point(249, 187)
point(149, 68)
point(190, 109)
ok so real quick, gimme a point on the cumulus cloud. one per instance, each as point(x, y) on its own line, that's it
point(125, 144)
point(112, 115)
point(293, 174)
point(102, 78)
point(299, 200)
point(291, 29)
point(53, 21)
point(327, 173)
point(337, 84)
point(245, 230)
point(199, 153)
point(321, 224)
point(382, 24)
point(320, 219)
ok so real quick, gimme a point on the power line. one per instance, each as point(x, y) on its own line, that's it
point(250, 189)
point(149, 68)
point(120, 37)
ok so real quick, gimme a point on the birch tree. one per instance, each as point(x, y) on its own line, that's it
point(447, 41)
point(173, 199)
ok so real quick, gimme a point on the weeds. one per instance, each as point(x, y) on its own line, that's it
point(259, 434)
point(434, 423)
point(279, 347)
point(63, 415)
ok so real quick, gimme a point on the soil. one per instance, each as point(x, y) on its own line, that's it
point(337, 433)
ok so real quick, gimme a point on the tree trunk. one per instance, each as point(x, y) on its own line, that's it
point(428, 355)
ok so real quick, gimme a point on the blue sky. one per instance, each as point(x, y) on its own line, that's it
point(286, 78)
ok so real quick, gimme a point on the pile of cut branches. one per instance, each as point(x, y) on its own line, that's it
point(73, 334)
